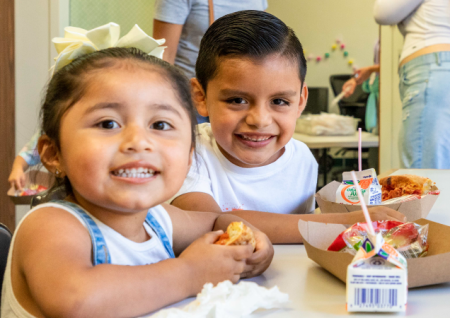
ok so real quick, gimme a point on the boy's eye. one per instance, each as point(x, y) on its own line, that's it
point(237, 100)
point(108, 124)
point(160, 125)
point(280, 102)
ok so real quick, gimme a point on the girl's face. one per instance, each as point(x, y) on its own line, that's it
point(126, 144)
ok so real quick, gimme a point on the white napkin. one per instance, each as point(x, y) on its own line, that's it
point(77, 42)
point(228, 301)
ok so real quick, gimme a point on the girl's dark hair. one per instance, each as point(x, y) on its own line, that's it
point(68, 85)
point(248, 33)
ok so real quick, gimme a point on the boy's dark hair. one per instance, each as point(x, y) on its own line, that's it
point(250, 33)
point(68, 85)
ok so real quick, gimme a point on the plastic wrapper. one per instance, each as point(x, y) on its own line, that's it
point(326, 124)
point(409, 239)
point(31, 190)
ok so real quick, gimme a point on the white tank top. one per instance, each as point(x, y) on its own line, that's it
point(122, 252)
point(422, 22)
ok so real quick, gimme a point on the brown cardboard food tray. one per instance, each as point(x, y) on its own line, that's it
point(429, 270)
point(32, 177)
point(413, 210)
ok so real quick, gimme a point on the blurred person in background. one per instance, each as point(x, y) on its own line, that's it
point(424, 79)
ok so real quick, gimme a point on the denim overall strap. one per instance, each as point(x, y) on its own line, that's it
point(100, 252)
point(157, 228)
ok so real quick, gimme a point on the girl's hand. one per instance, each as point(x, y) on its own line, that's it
point(211, 263)
point(376, 214)
point(261, 258)
point(17, 178)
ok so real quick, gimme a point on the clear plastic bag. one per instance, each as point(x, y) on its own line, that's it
point(326, 124)
point(409, 239)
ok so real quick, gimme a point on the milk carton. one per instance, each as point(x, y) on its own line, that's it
point(377, 278)
point(370, 188)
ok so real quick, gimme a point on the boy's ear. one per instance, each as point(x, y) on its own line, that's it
point(303, 100)
point(50, 157)
point(199, 97)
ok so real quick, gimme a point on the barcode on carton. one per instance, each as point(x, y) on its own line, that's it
point(375, 297)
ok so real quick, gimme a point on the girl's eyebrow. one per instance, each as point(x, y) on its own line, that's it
point(166, 107)
point(155, 106)
point(103, 106)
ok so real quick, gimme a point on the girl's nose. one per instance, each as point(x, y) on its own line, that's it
point(259, 116)
point(136, 139)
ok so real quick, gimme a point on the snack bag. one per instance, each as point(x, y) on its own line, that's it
point(370, 188)
point(409, 239)
point(377, 278)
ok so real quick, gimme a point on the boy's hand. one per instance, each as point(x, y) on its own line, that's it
point(377, 214)
point(261, 258)
point(211, 263)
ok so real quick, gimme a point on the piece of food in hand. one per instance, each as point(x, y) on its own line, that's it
point(237, 234)
point(397, 186)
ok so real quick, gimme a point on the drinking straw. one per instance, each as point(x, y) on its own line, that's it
point(363, 204)
point(359, 150)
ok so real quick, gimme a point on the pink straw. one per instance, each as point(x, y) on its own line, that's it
point(363, 204)
point(359, 150)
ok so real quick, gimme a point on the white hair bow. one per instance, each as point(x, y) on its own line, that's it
point(77, 42)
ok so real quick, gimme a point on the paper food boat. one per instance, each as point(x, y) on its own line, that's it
point(429, 270)
point(413, 210)
point(32, 177)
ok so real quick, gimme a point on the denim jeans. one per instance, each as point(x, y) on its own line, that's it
point(425, 94)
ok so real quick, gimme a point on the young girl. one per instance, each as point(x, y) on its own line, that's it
point(118, 130)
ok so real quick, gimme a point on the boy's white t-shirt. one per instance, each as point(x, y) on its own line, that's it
point(284, 186)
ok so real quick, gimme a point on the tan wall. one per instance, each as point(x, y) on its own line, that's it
point(318, 23)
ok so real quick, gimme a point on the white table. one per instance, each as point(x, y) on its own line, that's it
point(319, 142)
point(316, 293)
point(325, 142)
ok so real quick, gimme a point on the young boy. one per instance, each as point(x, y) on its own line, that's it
point(250, 82)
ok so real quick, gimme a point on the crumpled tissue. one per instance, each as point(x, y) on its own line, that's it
point(227, 300)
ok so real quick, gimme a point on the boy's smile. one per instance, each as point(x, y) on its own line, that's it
point(253, 106)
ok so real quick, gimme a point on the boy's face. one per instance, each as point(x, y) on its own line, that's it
point(253, 106)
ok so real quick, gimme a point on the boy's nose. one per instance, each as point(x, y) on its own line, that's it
point(258, 116)
point(136, 139)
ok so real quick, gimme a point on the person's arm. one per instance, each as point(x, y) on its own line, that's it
point(361, 75)
point(387, 12)
point(282, 228)
point(81, 290)
point(171, 32)
point(364, 73)
point(169, 18)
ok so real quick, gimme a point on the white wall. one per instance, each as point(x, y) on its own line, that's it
point(36, 23)
point(390, 104)
point(318, 23)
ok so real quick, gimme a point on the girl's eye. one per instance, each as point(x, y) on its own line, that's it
point(237, 101)
point(161, 125)
point(108, 124)
point(280, 102)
